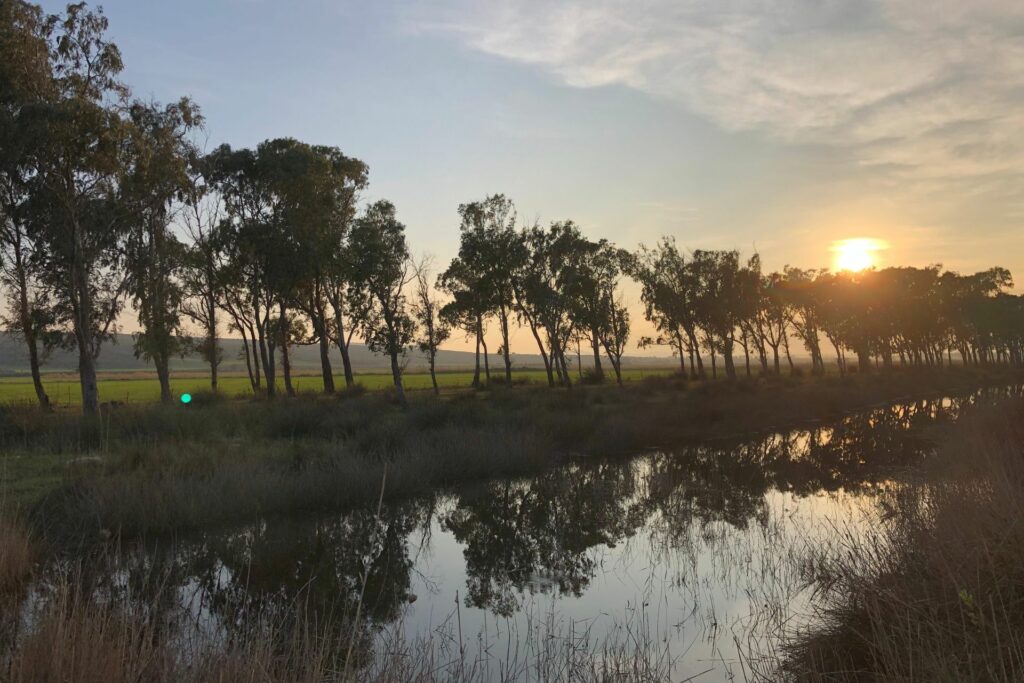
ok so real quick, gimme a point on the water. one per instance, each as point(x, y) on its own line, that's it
point(694, 558)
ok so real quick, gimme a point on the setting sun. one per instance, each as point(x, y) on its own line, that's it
point(857, 253)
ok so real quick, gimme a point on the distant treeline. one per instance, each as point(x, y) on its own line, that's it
point(108, 202)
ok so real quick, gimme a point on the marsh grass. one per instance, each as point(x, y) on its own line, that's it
point(936, 593)
point(16, 553)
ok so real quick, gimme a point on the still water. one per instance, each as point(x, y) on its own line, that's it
point(692, 560)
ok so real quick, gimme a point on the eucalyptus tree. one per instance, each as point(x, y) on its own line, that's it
point(803, 312)
point(468, 307)
point(535, 291)
point(158, 180)
point(380, 272)
point(78, 217)
point(202, 277)
point(492, 252)
point(25, 82)
point(669, 289)
point(29, 315)
point(330, 186)
point(720, 302)
point(614, 332)
point(589, 276)
point(254, 244)
point(434, 328)
point(550, 295)
point(772, 322)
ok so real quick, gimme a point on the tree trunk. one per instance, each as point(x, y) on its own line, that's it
point(87, 377)
point(692, 335)
point(595, 342)
point(503, 317)
point(84, 334)
point(250, 359)
point(863, 360)
point(775, 359)
point(163, 374)
point(730, 366)
point(267, 358)
point(543, 354)
point(326, 371)
point(211, 341)
point(476, 369)
point(433, 372)
point(565, 367)
point(286, 361)
point(396, 375)
point(487, 363)
point(339, 327)
point(319, 321)
point(29, 333)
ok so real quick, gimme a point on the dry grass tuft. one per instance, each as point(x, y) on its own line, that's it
point(15, 554)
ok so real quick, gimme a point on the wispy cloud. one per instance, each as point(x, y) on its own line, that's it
point(928, 90)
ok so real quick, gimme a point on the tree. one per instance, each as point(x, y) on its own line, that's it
point(269, 206)
point(251, 243)
point(588, 277)
point(76, 208)
point(154, 257)
point(543, 297)
point(490, 255)
point(322, 209)
point(202, 264)
point(773, 324)
point(669, 288)
point(467, 309)
point(614, 333)
point(797, 290)
point(380, 272)
point(25, 82)
point(434, 329)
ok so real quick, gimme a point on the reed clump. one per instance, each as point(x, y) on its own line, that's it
point(937, 593)
point(16, 555)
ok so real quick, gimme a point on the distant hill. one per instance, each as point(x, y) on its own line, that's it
point(120, 357)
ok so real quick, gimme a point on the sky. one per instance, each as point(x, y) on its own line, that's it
point(779, 126)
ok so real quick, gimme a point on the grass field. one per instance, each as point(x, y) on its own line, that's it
point(133, 388)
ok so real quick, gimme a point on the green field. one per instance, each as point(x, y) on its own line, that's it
point(135, 389)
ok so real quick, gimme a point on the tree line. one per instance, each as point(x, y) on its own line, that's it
point(108, 204)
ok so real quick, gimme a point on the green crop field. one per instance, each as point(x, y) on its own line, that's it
point(136, 389)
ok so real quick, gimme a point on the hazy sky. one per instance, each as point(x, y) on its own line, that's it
point(769, 124)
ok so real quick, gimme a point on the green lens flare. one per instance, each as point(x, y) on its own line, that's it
point(186, 398)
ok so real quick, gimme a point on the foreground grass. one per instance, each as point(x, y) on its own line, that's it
point(937, 593)
point(131, 388)
point(150, 468)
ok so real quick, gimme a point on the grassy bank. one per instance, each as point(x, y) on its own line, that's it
point(151, 468)
point(937, 593)
point(130, 387)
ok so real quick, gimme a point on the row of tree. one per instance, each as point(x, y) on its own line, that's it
point(712, 302)
point(108, 202)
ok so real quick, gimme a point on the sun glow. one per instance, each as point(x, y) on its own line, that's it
point(857, 253)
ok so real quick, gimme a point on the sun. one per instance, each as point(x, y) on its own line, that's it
point(857, 253)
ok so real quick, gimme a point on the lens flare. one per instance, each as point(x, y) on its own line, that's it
point(857, 253)
point(186, 398)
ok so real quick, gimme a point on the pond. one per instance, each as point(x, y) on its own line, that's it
point(691, 563)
